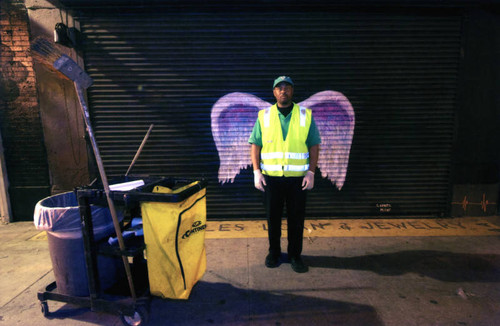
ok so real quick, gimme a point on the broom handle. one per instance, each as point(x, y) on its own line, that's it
point(104, 179)
point(140, 149)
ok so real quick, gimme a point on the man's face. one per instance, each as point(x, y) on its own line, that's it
point(283, 92)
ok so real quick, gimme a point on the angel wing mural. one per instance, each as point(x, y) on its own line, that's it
point(234, 115)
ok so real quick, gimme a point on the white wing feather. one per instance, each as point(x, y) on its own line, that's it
point(334, 116)
point(233, 117)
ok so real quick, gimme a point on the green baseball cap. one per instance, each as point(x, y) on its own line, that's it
point(280, 79)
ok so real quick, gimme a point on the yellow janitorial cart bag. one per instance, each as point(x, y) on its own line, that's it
point(174, 234)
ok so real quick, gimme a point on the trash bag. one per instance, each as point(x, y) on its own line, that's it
point(60, 214)
point(174, 234)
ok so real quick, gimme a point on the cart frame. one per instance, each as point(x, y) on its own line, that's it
point(132, 311)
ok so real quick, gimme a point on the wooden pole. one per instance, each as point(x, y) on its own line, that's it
point(104, 179)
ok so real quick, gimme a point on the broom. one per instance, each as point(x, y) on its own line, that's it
point(70, 69)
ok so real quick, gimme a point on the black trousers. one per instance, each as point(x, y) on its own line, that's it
point(278, 192)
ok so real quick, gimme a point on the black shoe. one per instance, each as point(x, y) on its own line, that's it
point(298, 265)
point(272, 260)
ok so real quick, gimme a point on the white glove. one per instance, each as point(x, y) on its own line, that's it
point(258, 180)
point(308, 181)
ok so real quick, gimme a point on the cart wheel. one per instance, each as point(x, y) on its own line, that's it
point(139, 318)
point(45, 308)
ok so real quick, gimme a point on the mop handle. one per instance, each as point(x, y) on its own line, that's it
point(105, 184)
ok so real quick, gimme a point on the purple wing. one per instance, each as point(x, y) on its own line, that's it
point(334, 116)
point(233, 117)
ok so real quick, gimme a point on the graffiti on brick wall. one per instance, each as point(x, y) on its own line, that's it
point(234, 115)
point(14, 52)
point(12, 74)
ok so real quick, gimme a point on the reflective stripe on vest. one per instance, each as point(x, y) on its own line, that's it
point(289, 157)
point(295, 168)
point(270, 156)
point(301, 168)
point(295, 156)
point(267, 117)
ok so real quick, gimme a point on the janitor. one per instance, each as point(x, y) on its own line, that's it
point(284, 151)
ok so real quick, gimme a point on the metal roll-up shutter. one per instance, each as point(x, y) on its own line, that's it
point(169, 68)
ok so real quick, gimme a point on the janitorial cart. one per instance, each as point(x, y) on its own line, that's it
point(86, 260)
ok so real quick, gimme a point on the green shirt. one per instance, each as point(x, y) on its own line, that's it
point(313, 138)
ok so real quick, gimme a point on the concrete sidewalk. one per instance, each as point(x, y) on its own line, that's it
point(449, 280)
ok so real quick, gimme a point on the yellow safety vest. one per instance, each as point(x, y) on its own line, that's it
point(289, 157)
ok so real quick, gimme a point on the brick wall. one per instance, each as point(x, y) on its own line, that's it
point(20, 123)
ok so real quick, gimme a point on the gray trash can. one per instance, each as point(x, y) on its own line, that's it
point(59, 215)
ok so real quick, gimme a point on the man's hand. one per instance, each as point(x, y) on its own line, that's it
point(308, 181)
point(258, 180)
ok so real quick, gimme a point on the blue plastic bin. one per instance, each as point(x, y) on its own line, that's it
point(59, 215)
